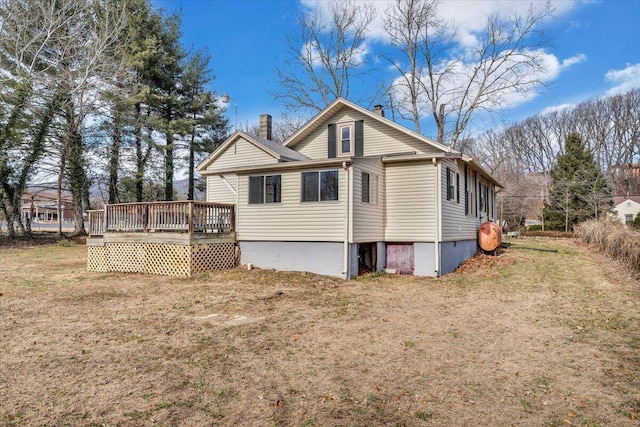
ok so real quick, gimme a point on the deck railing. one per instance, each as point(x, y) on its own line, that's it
point(182, 216)
point(96, 222)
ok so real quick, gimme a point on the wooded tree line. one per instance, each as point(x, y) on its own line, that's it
point(99, 90)
point(524, 154)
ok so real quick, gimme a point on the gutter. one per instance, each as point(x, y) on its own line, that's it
point(417, 157)
point(300, 164)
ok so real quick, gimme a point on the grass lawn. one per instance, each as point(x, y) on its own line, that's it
point(528, 338)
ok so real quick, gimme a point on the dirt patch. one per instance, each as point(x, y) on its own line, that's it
point(525, 338)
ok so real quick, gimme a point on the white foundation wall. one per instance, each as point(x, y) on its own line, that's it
point(315, 257)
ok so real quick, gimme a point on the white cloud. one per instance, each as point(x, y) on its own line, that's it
point(469, 16)
point(459, 75)
point(557, 108)
point(312, 55)
point(623, 80)
point(581, 57)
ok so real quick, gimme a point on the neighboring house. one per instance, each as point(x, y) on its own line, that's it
point(42, 206)
point(351, 192)
point(626, 208)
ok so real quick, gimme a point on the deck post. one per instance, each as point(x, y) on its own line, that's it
point(145, 217)
point(190, 217)
point(105, 226)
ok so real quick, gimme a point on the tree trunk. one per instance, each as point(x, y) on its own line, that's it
point(140, 161)
point(440, 122)
point(114, 157)
point(168, 168)
point(63, 163)
point(192, 161)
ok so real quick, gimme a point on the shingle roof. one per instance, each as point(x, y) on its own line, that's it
point(281, 150)
point(620, 199)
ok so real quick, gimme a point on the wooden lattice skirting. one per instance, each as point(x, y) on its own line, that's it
point(162, 258)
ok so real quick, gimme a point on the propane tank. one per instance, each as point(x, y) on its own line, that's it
point(489, 237)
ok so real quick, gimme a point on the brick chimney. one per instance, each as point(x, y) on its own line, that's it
point(378, 110)
point(265, 126)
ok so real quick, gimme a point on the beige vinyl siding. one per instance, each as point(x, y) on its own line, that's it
point(368, 218)
point(243, 154)
point(455, 224)
point(628, 207)
point(410, 204)
point(218, 191)
point(379, 138)
point(292, 220)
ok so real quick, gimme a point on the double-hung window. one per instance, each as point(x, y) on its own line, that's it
point(450, 184)
point(346, 144)
point(265, 189)
point(320, 186)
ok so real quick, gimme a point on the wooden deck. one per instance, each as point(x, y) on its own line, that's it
point(184, 217)
point(170, 238)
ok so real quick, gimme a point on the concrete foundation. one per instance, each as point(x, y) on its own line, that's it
point(327, 257)
point(424, 259)
point(453, 253)
point(315, 257)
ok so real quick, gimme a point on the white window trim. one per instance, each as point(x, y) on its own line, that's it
point(339, 128)
point(318, 171)
point(264, 190)
point(373, 189)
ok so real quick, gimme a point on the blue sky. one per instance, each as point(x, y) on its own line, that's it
point(594, 51)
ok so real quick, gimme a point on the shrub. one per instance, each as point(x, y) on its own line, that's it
point(636, 222)
point(537, 227)
point(613, 239)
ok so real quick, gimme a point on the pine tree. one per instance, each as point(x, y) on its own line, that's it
point(579, 191)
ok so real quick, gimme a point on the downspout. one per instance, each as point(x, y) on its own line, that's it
point(347, 224)
point(438, 215)
point(235, 226)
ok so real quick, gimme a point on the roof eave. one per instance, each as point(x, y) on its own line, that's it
point(299, 164)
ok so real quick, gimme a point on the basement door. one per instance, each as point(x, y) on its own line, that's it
point(400, 257)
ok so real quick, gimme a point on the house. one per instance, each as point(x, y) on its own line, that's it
point(626, 208)
point(42, 206)
point(351, 192)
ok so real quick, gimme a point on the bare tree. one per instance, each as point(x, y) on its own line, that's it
point(28, 97)
point(456, 84)
point(86, 61)
point(325, 57)
point(283, 127)
point(413, 25)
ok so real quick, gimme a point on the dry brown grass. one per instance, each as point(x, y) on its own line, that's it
point(528, 338)
point(612, 238)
